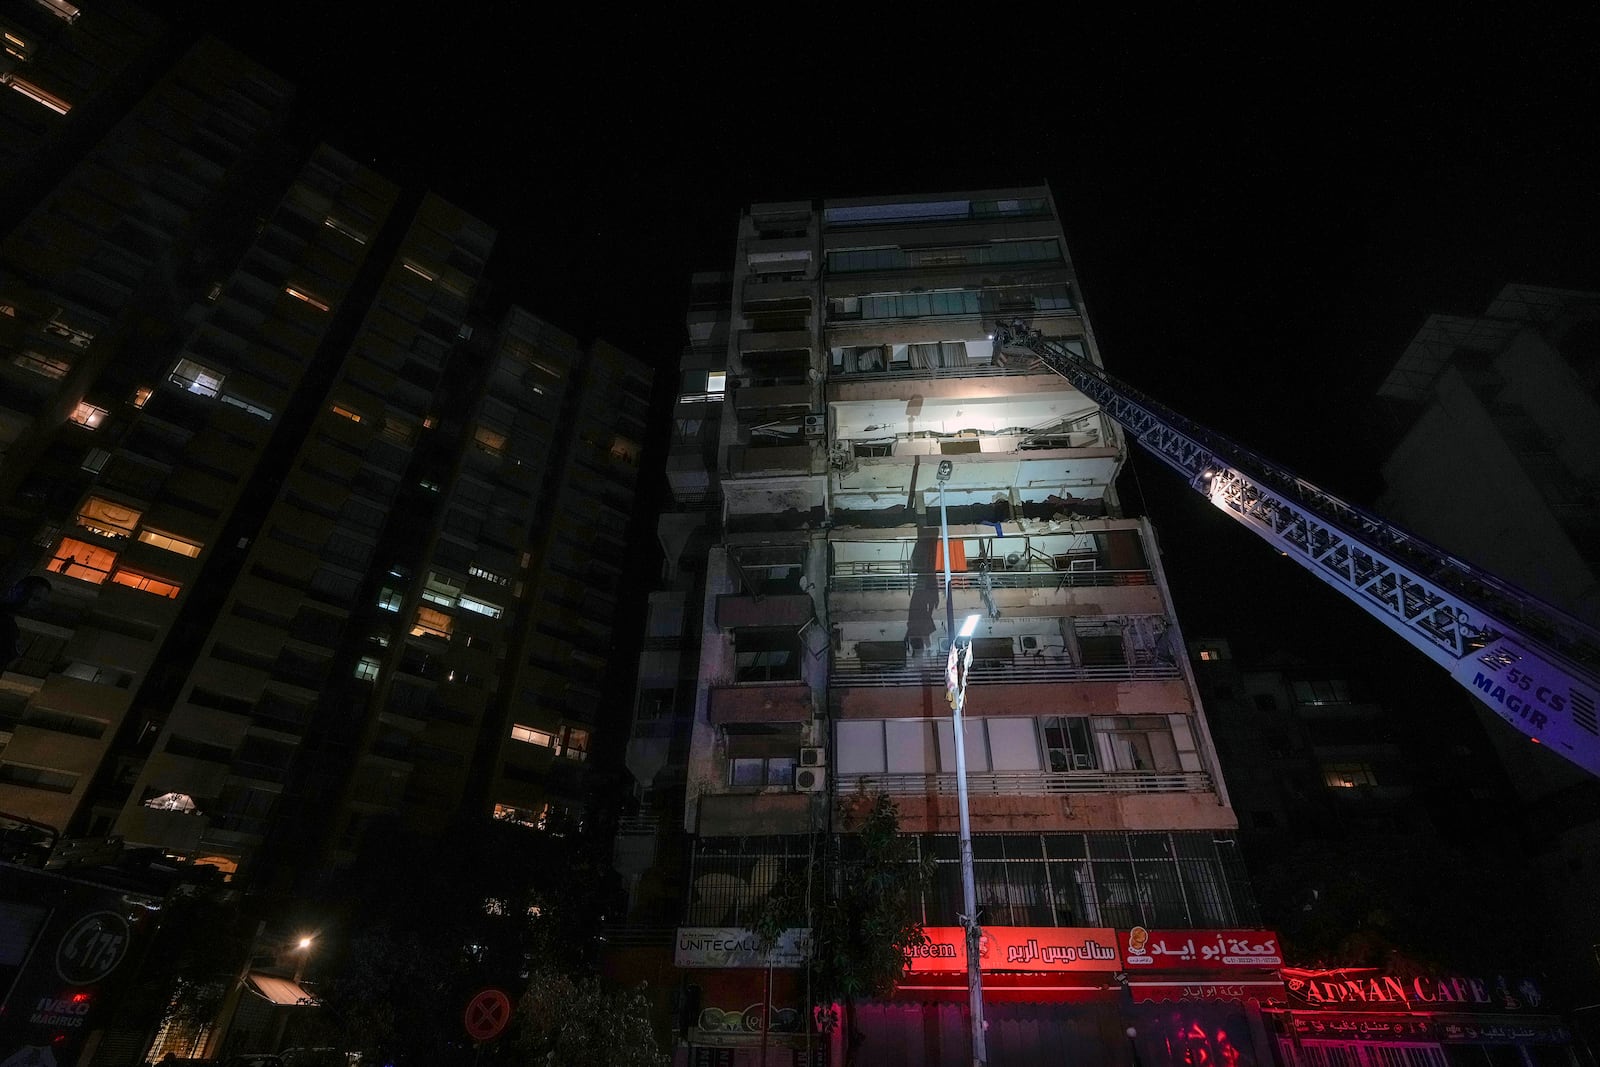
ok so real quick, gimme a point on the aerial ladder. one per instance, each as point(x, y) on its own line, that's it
point(1532, 664)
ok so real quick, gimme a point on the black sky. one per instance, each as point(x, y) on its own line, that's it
point(1262, 210)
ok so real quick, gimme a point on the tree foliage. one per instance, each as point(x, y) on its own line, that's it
point(582, 1021)
point(862, 901)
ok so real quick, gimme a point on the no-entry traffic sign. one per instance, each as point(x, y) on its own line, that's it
point(488, 1014)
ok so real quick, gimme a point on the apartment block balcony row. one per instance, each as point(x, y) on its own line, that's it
point(1028, 783)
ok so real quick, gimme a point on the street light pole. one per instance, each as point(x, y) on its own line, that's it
point(956, 678)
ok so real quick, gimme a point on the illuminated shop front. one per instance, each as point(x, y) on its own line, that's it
point(1365, 1017)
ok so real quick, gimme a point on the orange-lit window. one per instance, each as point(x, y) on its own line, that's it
point(346, 413)
point(491, 441)
point(428, 422)
point(60, 9)
point(79, 559)
point(575, 743)
point(44, 366)
point(171, 542)
point(107, 517)
point(86, 414)
point(625, 450)
point(146, 583)
point(520, 732)
point(227, 866)
point(305, 297)
point(141, 396)
point(432, 623)
point(38, 95)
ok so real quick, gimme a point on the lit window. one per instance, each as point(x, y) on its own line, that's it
point(305, 297)
point(81, 560)
point(716, 381)
point(482, 607)
point(479, 572)
point(44, 366)
point(60, 9)
point(1348, 775)
point(141, 396)
point(532, 736)
point(196, 377)
point(346, 413)
point(73, 335)
point(367, 669)
point(575, 743)
point(429, 422)
point(389, 599)
point(107, 517)
point(490, 441)
point(146, 583)
point(414, 269)
point(215, 293)
point(520, 816)
point(172, 802)
point(432, 623)
point(86, 414)
point(37, 95)
point(1207, 655)
point(94, 462)
point(244, 405)
point(349, 231)
point(171, 542)
point(625, 450)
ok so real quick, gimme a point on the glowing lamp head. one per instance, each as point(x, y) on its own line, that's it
point(305, 942)
point(946, 468)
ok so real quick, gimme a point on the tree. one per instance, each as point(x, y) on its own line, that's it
point(580, 1021)
point(863, 905)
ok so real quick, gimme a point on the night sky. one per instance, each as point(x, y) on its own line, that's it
point(1261, 213)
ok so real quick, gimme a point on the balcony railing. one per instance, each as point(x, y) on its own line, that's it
point(1025, 669)
point(1012, 368)
point(1027, 783)
point(889, 576)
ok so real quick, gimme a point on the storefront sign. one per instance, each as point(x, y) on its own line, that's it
point(728, 946)
point(1351, 988)
point(1195, 989)
point(1199, 950)
point(1483, 1031)
point(1018, 948)
point(1330, 1026)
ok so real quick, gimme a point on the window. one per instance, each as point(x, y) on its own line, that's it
point(482, 607)
point(1332, 691)
point(766, 654)
point(305, 297)
point(38, 95)
point(575, 743)
point(60, 9)
point(95, 460)
point(390, 599)
point(349, 231)
point(418, 271)
point(491, 441)
point(771, 772)
point(367, 669)
point(1067, 743)
point(432, 623)
point(655, 704)
point(488, 575)
point(196, 377)
point(141, 396)
point(87, 414)
point(346, 413)
point(107, 517)
point(264, 414)
point(533, 737)
point(1348, 775)
point(147, 583)
point(38, 778)
point(44, 366)
point(81, 560)
point(1139, 743)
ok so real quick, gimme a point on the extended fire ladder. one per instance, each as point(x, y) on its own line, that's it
point(1532, 664)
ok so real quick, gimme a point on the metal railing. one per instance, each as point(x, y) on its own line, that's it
point(976, 370)
point(870, 577)
point(638, 824)
point(1028, 783)
point(1026, 669)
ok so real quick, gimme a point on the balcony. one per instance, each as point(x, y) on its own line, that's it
point(929, 670)
point(1027, 783)
point(890, 576)
point(788, 609)
point(782, 459)
point(1050, 684)
point(772, 398)
point(774, 340)
point(760, 702)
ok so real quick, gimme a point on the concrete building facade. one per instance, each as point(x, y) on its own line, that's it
point(852, 355)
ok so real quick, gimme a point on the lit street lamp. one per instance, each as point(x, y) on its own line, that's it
point(956, 684)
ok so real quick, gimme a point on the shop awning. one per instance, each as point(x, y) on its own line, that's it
point(282, 991)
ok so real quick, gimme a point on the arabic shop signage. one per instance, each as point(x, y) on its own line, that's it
point(1148, 951)
point(1373, 1027)
point(1018, 948)
point(1354, 987)
point(728, 946)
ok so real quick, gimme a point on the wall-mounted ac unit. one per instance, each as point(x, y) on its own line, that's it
point(813, 757)
point(810, 779)
point(816, 425)
point(1030, 642)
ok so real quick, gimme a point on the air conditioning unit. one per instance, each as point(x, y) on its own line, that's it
point(1081, 761)
point(816, 425)
point(1015, 562)
point(1029, 642)
point(813, 757)
point(810, 779)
